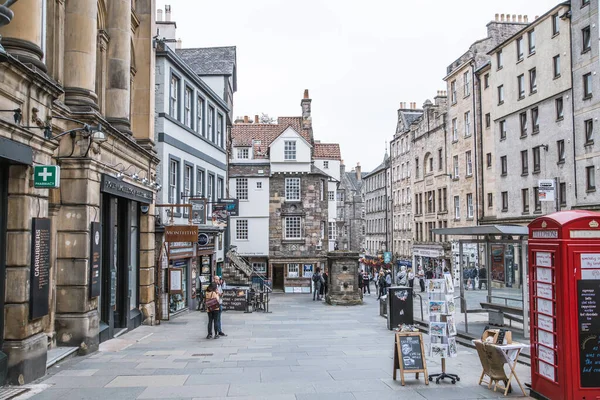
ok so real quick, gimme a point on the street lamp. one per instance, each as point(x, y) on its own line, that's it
point(93, 132)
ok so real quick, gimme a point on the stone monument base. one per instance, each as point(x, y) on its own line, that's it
point(343, 279)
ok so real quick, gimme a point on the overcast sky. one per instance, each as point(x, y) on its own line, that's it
point(359, 59)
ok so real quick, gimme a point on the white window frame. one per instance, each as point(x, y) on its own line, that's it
point(173, 180)
point(241, 229)
point(200, 182)
point(456, 207)
point(454, 129)
point(259, 185)
point(470, 205)
point(187, 106)
point(220, 141)
point(289, 150)
point(174, 97)
point(469, 162)
point(468, 124)
point(331, 195)
point(188, 172)
point(325, 164)
point(456, 167)
point(243, 153)
point(293, 270)
point(332, 231)
point(241, 188)
point(293, 227)
point(200, 115)
point(259, 267)
point(292, 189)
point(467, 83)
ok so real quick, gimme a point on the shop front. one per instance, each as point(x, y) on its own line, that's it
point(181, 256)
point(206, 256)
point(294, 276)
point(121, 205)
point(432, 258)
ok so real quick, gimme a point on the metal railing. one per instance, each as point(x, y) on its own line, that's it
point(244, 266)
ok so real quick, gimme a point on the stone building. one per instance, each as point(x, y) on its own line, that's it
point(463, 136)
point(351, 210)
point(401, 183)
point(90, 272)
point(430, 183)
point(284, 222)
point(376, 189)
point(191, 141)
point(586, 102)
point(532, 119)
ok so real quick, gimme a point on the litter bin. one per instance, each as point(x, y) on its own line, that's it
point(383, 307)
point(400, 306)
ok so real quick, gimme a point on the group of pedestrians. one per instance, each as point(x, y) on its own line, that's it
point(321, 284)
point(213, 303)
point(406, 277)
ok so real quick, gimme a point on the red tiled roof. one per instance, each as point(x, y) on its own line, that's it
point(327, 151)
point(247, 134)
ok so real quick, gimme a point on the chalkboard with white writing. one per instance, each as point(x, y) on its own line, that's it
point(589, 332)
point(411, 356)
point(234, 299)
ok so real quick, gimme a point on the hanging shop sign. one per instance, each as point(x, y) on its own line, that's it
point(232, 206)
point(181, 233)
point(206, 242)
point(112, 185)
point(198, 211)
point(46, 176)
point(95, 259)
point(39, 290)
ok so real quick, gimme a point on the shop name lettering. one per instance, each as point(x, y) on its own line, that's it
point(128, 190)
point(181, 232)
point(38, 245)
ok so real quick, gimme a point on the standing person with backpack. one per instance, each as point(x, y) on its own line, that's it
point(361, 281)
point(318, 281)
point(381, 284)
point(325, 284)
point(366, 283)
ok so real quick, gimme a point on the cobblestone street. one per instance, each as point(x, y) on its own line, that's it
point(302, 350)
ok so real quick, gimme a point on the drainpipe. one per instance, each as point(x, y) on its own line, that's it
point(476, 158)
point(557, 190)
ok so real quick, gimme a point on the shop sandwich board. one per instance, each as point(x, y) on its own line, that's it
point(409, 355)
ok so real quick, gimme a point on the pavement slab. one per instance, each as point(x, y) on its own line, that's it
point(303, 350)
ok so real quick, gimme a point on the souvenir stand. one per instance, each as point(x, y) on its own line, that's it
point(442, 326)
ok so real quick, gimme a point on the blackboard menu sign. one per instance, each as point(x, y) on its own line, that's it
point(234, 299)
point(40, 268)
point(410, 351)
point(95, 259)
point(589, 305)
point(409, 355)
point(589, 332)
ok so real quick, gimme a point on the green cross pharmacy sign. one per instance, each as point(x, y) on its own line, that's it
point(46, 176)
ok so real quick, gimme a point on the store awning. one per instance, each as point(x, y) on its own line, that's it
point(483, 230)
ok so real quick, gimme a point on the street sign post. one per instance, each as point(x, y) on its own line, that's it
point(546, 190)
point(387, 257)
point(46, 176)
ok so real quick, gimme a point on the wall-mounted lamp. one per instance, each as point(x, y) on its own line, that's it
point(545, 146)
point(90, 131)
point(17, 113)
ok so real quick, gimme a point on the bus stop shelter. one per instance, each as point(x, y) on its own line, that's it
point(499, 265)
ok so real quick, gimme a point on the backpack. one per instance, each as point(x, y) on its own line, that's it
point(316, 277)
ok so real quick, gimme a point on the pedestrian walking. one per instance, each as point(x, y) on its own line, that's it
point(421, 277)
point(381, 281)
point(318, 280)
point(388, 281)
point(411, 278)
point(366, 284)
point(402, 277)
point(483, 278)
point(211, 301)
point(361, 282)
point(326, 284)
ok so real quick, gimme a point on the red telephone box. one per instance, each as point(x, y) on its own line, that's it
point(564, 294)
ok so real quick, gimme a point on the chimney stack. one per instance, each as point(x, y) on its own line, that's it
point(525, 19)
point(178, 45)
point(306, 117)
point(520, 17)
point(402, 105)
point(167, 12)
point(256, 119)
point(245, 119)
point(497, 17)
point(159, 15)
point(501, 17)
point(238, 120)
point(358, 173)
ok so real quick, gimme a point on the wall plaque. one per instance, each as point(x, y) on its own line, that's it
point(95, 259)
point(40, 268)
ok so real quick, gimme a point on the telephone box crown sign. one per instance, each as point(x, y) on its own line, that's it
point(544, 224)
point(594, 224)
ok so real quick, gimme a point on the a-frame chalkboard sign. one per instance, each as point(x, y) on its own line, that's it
point(409, 355)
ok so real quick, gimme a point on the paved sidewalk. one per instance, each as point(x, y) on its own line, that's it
point(302, 350)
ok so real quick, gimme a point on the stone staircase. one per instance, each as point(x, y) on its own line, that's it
point(239, 271)
point(234, 276)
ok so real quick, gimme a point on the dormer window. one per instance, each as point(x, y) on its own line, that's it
point(243, 153)
point(290, 150)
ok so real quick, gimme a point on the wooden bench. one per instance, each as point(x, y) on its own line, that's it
point(512, 313)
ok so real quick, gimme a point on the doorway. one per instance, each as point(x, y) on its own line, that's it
point(278, 277)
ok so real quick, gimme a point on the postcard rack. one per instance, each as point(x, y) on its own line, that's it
point(442, 325)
